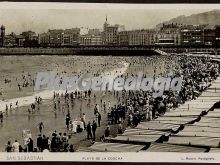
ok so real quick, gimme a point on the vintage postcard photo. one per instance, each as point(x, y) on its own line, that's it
point(85, 81)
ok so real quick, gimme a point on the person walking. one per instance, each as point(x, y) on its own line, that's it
point(107, 131)
point(40, 143)
point(30, 145)
point(54, 143)
point(94, 127)
point(89, 131)
point(8, 147)
point(43, 144)
point(84, 120)
point(33, 107)
point(1, 116)
point(99, 119)
point(6, 108)
point(67, 121)
point(95, 109)
point(41, 126)
point(104, 107)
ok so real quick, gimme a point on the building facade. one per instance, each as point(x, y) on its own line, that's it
point(217, 35)
point(167, 35)
point(110, 34)
point(209, 36)
point(192, 35)
point(95, 32)
point(19, 40)
point(29, 35)
point(123, 38)
point(136, 37)
point(70, 37)
point(90, 40)
point(140, 37)
point(59, 37)
point(31, 39)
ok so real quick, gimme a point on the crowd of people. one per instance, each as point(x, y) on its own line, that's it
point(129, 108)
point(197, 75)
point(58, 143)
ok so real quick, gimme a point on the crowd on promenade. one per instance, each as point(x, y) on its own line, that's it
point(131, 107)
point(197, 75)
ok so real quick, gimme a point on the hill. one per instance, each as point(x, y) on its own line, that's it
point(210, 18)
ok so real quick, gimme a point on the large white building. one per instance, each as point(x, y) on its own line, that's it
point(136, 37)
point(167, 35)
point(90, 40)
point(59, 37)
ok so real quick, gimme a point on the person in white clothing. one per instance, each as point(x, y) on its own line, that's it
point(84, 120)
point(73, 127)
point(15, 146)
point(97, 108)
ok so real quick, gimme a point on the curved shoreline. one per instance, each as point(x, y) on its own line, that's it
point(48, 94)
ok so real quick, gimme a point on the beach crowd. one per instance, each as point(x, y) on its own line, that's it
point(129, 109)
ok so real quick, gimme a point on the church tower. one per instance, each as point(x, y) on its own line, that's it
point(106, 23)
point(105, 29)
point(2, 35)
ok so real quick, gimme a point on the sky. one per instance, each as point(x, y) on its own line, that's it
point(41, 17)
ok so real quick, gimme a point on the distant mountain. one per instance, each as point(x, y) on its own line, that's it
point(210, 18)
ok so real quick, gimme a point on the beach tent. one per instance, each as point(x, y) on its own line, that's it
point(212, 150)
point(214, 88)
point(182, 113)
point(115, 147)
point(197, 128)
point(209, 99)
point(197, 133)
point(207, 124)
point(177, 120)
point(199, 105)
point(207, 119)
point(214, 114)
point(84, 149)
point(135, 131)
point(189, 109)
point(174, 122)
point(163, 147)
point(135, 139)
point(157, 125)
point(194, 140)
point(200, 101)
point(211, 94)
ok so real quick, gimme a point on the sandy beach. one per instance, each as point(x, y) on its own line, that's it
point(16, 68)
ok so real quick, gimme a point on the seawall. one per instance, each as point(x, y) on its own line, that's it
point(78, 51)
point(102, 50)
